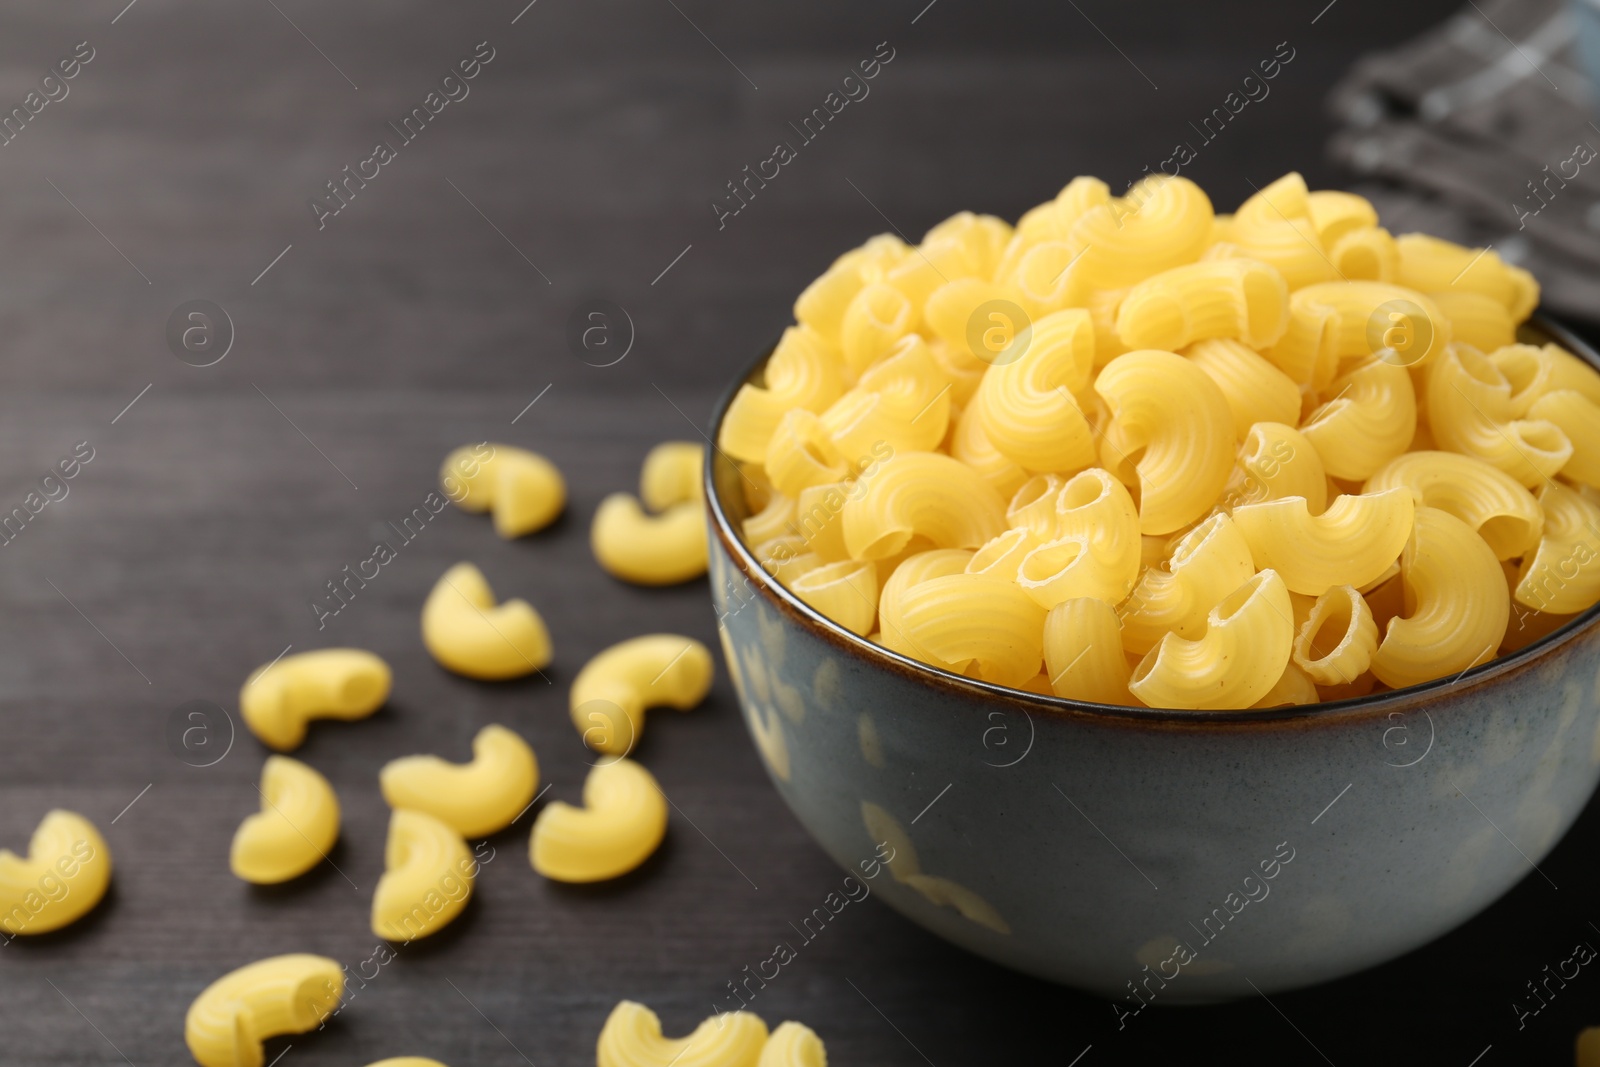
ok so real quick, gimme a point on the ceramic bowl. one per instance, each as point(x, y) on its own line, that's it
point(1155, 856)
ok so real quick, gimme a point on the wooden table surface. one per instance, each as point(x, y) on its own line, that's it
point(431, 311)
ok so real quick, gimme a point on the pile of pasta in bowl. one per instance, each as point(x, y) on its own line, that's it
point(1135, 452)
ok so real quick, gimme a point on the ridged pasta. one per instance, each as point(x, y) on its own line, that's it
point(1083, 655)
point(1578, 418)
point(1351, 543)
point(877, 317)
point(1334, 645)
point(1562, 575)
point(1162, 222)
point(918, 568)
point(978, 625)
point(902, 402)
point(971, 445)
point(801, 454)
point(1234, 663)
point(1028, 405)
point(1469, 411)
point(1207, 564)
point(1235, 298)
point(1494, 504)
point(1293, 687)
point(846, 592)
point(1460, 604)
point(1336, 321)
point(1370, 420)
point(823, 303)
point(1365, 254)
point(632, 1037)
point(1335, 213)
point(981, 238)
point(1095, 548)
point(921, 493)
point(802, 372)
point(1174, 411)
point(1256, 391)
point(1434, 265)
point(1273, 226)
point(1475, 319)
point(1276, 461)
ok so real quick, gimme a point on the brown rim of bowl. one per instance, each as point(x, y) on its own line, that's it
point(1392, 700)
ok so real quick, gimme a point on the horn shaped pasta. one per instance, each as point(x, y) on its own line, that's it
point(1293, 688)
point(1277, 461)
point(1275, 226)
point(1256, 391)
point(468, 633)
point(982, 238)
point(662, 549)
point(1083, 652)
point(1336, 642)
point(972, 446)
point(1027, 402)
point(1461, 604)
point(921, 494)
point(986, 627)
point(846, 592)
point(1162, 222)
point(622, 821)
point(801, 454)
point(877, 317)
point(63, 876)
point(1096, 550)
point(610, 694)
point(1335, 213)
point(1578, 418)
point(1529, 370)
point(1475, 319)
point(902, 402)
point(1470, 411)
point(1207, 564)
point(1335, 321)
point(1487, 499)
point(278, 700)
point(427, 877)
point(1435, 265)
point(1238, 659)
point(1351, 543)
point(1370, 420)
point(1366, 254)
point(1234, 298)
point(474, 799)
point(803, 372)
point(632, 1037)
point(949, 311)
point(228, 1022)
point(793, 1044)
point(1562, 575)
point(823, 303)
point(671, 474)
point(295, 828)
point(915, 569)
point(1174, 411)
point(524, 490)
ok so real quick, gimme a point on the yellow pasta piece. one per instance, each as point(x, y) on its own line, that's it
point(474, 799)
point(801, 454)
point(1162, 222)
point(1567, 371)
point(662, 549)
point(804, 371)
point(1083, 655)
point(1206, 564)
point(954, 313)
point(1365, 254)
point(65, 873)
point(632, 1037)
point(1276, 461)
point(671, 474)
point(1235, 663)
point(964, 371)
point(467, 632)
point(1335, 213)
point(1432, 264)
point(1033, 505)
point(771, 521)
point(1275, 227)
point(982, 238)
point(902, 403)
point(930, 265)
point(1293, 688)
point(1562, 575)
point(846, 592)
point(1001, 556)
point(1475, 319)
point(1334, 645)
point(1234, 298)
point(793, 1044)
point(1256, 391)
point(1531, 372)
point(428, 874)
point(524, 490)
point(295, 828)
point(1027, 403)
point(823, 303)
point(973, 624)
point(622, 821)
point(973, 447)
point(1459, 604)
point(878, 316)
point(610, 695)
point(1351, 543)
point(817, 517)
point(1336, 321)
point(279, 699)
point(924, 494)
point(1577, 417)
point(1469, 411)
point(1095, 549)
point(228, 1022)
point(407, 1061)
point(1046, 280)
point(1174, 411)
point(1487, 499)
point(1370, 420)
point(915, 569)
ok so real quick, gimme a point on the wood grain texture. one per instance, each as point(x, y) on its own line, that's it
point(593, 146)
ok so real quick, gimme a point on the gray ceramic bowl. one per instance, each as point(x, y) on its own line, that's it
point(1149, 855)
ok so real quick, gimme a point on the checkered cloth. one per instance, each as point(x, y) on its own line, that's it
point(1484, 131)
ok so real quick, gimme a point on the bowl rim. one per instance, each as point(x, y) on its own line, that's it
point(880, 657)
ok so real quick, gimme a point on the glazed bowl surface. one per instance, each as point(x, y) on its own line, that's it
point(1157, 856)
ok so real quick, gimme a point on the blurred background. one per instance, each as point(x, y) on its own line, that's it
point(193, 155)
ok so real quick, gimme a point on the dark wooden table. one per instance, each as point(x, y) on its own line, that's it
point(431, 311)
